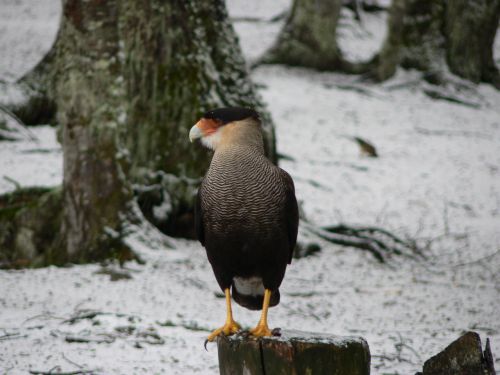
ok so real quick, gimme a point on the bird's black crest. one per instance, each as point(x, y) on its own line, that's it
point(230, 114)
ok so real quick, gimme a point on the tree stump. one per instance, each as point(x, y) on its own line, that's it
point(463, 356)
point(293, 353)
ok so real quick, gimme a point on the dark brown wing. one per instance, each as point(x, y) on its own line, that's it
point(198, 219)
point(291, 213)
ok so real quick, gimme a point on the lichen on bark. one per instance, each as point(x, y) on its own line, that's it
point(90, 95)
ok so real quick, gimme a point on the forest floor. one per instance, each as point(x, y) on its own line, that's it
point(437, 180)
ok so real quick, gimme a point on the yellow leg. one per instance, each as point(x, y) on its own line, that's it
point(262, 328)
point(230, 327)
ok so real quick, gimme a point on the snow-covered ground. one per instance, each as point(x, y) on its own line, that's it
point(437, 180)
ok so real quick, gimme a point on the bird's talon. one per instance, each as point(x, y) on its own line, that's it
point(227, 330)
point(261, 331)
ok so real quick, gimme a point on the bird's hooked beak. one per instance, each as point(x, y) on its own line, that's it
point(195, 133)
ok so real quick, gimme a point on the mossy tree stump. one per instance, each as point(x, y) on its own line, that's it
point(293, 353)
point(463, 356)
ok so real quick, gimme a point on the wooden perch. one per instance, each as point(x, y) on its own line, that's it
point(293, 353)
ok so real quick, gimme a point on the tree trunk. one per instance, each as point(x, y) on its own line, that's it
point(471, 27)
point(430, 35)
point(91, 105)
point(309, 38)
point(129, 81)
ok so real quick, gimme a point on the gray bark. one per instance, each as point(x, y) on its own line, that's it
point(90, 100)
point(309, 38)
point(432, 35)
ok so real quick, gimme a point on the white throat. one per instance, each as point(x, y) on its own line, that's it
point(212, 141)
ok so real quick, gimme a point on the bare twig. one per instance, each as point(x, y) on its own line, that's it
point(46, 316)
point(11, 336)
point(451, 132)
point(21, 124)
point(486, 257)
point(12, 181)
point(51, 372)
point(70, 361)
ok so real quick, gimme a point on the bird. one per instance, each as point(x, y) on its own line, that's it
point(246, 214)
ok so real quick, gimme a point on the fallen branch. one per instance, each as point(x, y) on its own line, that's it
point(108, 339)
point(89, 314)
point(191, 326)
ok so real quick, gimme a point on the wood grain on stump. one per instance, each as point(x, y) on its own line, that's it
point(293, 353)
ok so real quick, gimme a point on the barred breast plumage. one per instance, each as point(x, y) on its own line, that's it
point(244, 203)
point(243, 191)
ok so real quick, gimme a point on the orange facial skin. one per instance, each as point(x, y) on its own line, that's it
point(207, 126)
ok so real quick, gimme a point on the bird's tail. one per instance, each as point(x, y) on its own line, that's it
point(254, 302)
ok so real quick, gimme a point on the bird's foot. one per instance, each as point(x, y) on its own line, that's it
point(228, 329)
point(262, 330)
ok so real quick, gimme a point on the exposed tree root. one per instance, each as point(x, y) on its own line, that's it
point(30, 219)
point(381, 243)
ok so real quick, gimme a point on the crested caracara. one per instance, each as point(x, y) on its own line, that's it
point(246, 214)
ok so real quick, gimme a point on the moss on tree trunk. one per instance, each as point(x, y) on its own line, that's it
point(30, 220)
